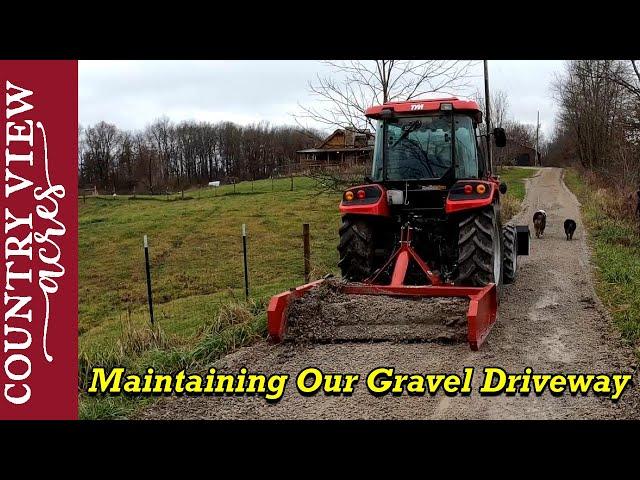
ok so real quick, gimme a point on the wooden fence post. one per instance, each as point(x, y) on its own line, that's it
point(307, 252)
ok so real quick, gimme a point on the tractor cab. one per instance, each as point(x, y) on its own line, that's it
point(427, 142)
point(425, 149)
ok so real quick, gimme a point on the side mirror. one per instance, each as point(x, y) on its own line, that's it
point(499, 137)
point(502, 188)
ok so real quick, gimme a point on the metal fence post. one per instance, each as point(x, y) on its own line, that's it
point(246, 266)
point(146, 261)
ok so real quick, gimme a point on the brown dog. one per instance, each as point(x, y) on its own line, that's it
point(540, 222)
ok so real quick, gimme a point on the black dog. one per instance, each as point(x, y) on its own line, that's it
point(569, 228)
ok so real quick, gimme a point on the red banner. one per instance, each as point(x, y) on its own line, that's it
point(38, 364)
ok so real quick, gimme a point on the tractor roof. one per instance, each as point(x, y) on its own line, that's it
point(418, 106)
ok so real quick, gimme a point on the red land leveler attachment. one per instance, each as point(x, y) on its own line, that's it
point(481, 314)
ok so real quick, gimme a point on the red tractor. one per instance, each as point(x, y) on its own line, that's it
point(428, 222)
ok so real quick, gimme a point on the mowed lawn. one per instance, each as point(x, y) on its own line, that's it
point(197, 271)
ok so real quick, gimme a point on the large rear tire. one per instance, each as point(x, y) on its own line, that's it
point(510, 245)
point(480, 248)
point(356, 249)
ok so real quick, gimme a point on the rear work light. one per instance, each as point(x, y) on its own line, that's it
point(360, 195)
point(446, 106)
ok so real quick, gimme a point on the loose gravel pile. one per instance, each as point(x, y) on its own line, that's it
point(326, 315)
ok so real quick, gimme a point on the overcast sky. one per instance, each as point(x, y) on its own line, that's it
point(132, 94)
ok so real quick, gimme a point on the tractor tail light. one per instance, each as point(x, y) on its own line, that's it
point(360, 195)
point(481, 188)
point(468, 189)
point(348, 196)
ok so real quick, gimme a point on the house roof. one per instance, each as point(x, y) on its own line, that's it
point(341, 131)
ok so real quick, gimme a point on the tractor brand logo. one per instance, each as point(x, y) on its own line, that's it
point(417, 106)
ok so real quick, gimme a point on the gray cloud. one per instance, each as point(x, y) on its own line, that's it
point(132, 94)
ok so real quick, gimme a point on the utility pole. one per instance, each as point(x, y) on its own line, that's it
point(537, 162)
point(487, 115)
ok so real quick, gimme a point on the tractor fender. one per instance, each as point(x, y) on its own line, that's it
point(459, 200)
point(374, 202)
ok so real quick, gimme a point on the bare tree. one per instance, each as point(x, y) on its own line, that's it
point(499, 118)
point(499, 107)
point(599, 118)
point(626, 74)
point(356, 85)
point(100, 149)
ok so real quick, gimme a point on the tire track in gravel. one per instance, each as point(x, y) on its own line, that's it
point(550, 320)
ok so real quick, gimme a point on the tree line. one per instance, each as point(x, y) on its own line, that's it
point(598, 125)
point(171, 156)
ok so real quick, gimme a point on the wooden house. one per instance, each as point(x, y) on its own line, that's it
point(343, 147)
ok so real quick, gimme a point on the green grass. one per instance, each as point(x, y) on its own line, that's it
point(196, 260)
point(615, 242)
point(514, 178)
point(196, 252)
point(196, 266)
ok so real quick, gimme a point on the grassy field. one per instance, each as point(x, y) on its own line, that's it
point(514, 178)
point(615, 241)
point(196, 260)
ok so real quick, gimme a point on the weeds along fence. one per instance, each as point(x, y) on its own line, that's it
point(225, 321)
point(233, 325)
point(620, 200)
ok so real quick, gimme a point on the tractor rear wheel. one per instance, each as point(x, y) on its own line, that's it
point(356, 249)
point(480, 248)
point(510, 244)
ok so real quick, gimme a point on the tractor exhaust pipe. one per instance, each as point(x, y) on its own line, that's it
point(488, 115)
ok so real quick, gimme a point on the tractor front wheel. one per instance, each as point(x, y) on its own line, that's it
point(510, 244)
point(480, 248)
